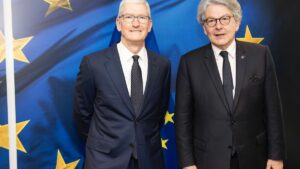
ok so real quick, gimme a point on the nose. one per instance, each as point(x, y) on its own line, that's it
point(219, 25)
point(135, 22)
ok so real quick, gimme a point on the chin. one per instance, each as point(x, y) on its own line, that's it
point(136, 39)
point(221, 43)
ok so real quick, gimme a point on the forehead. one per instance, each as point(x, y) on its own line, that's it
point(217, 11)
point(134, 8)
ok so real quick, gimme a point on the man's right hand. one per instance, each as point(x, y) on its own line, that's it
point(190, 167)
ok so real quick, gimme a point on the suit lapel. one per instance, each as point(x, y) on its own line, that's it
point(212, 68)
point(153, 70)
point(114, 70)
point(241, 60)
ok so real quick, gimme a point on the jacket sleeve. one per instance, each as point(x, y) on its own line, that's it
point(166, 92)
point(84, 98)
point(273, 111)
point(183, 116)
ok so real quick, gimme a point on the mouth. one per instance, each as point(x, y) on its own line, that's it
point(220, 35)
point(135, 31)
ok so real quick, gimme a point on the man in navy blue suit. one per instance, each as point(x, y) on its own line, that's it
point(121, 97)
point(228, 108)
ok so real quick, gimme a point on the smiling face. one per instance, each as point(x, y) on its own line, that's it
point(133, 32)
point(220, 35)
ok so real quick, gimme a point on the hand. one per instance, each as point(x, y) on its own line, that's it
point(274, 164)
point(190, 167)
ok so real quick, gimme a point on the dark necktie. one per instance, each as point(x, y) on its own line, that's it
point(136, 85)
point(227, 79)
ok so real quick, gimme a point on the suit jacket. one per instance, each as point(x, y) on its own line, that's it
point(208, 131)
point(105, 117)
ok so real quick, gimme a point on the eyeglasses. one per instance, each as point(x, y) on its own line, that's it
point(224, 20)
point(130, 18)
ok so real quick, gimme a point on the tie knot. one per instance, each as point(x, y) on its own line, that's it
point(135, 57)
point(224, 54)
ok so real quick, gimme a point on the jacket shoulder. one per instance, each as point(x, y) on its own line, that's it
point(197, 53)
point(102, 54)
point(159, 58)
point(251, 46)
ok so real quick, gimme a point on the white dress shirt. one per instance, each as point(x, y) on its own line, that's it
point(127, 61)
point(232, 60)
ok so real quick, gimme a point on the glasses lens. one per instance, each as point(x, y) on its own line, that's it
point(225, 20)
point(143, 19)
point(128, 18)
point(211, 22)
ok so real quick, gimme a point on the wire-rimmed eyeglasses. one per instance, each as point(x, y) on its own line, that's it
point(130, 18)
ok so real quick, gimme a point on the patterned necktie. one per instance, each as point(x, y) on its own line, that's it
point(227, 79)
point(136, 85)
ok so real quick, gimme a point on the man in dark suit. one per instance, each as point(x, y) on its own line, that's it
point(228, 109)
point(121, 97)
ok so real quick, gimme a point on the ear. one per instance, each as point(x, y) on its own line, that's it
point(204, 30)
point(150, 26)
point(237, 25)
point(118, 24)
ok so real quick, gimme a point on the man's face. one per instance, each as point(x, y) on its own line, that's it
point(221, 35)
point(134, 31)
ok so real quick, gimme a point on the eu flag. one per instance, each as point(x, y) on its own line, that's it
point(50, 39)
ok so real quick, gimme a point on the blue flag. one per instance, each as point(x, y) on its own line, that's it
point(50, 39)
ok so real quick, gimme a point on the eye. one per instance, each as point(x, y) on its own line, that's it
point(128, 16)
point(210, 20)
point(225, 18)
point(142, 17)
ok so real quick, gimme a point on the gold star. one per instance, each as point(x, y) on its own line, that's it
point(164, 143)
point(60, 162)
point(4, 135)
point(56, 4)
point(169, 118)
point(248, 37)
point(18, 45)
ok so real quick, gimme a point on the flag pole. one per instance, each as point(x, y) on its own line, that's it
point(10, 83)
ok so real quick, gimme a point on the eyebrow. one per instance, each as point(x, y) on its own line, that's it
point(135, 15)
point(218, 17)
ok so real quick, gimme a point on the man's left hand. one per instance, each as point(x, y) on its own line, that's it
point(274, 164)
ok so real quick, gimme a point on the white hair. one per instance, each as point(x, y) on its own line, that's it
point(123, 2)
point(232, 5)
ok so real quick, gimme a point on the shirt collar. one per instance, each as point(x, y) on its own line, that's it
point(126, 54)
point(231, 50)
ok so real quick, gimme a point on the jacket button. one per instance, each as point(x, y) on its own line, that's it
point(233, 122)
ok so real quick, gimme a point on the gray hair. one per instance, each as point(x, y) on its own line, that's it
point(233, 5)
point(136, 2)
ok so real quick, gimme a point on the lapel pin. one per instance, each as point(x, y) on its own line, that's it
point(243, 57)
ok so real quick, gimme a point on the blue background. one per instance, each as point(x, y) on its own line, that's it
point(45, 86)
